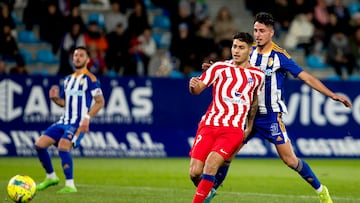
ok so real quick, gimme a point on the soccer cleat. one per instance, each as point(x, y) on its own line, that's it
point(67, 189)
point(210, 196)
point(324, 196)
point(47, 183)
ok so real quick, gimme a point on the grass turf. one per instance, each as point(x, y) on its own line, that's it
point(166, 180)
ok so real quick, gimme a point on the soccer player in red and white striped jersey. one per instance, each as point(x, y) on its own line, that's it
point(236, 86)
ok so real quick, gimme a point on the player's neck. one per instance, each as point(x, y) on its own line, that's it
point(266, 47)
point(80, 70)
point(244, 64)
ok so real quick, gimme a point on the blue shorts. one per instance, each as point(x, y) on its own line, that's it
point(271, 127)
point(57, 131)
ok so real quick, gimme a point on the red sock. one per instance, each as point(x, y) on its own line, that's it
point(202, 190)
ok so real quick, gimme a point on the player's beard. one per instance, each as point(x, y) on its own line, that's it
point(81, 66)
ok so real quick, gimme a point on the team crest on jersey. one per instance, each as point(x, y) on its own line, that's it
point(270, 61)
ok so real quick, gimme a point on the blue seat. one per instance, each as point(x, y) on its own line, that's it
point(27, 56)
point(96, 17)
point(46, 56)
point(161, 22)
point(176, 74)
point(26, 36)
point(354, 8)
point(334, 77)
point(162, 40)
point(315, 62)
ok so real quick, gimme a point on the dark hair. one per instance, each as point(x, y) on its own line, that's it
point(244, 37)
point(265, 18)
point(82, 48)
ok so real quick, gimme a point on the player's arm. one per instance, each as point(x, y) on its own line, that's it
point(319, 86)
point(196, 86)
point(95, 108)
point(54, 96)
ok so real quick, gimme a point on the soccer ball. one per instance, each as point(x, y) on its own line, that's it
point(21, 188)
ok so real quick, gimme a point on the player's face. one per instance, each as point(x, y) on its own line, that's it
point(263, 34)
point(80, 59)
point(240, 51)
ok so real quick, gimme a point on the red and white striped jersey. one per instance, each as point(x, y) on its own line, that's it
point(233, 93)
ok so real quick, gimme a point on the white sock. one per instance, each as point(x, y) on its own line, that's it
point(70, 183)
point(51, 175)
point(319, 190)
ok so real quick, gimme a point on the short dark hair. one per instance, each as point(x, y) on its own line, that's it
point(244, 37)
point(82, 48)
point(265, 18)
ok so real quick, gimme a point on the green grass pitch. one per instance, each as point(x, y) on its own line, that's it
point(167, 181)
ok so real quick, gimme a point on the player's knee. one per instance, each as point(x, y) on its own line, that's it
point(291, 162)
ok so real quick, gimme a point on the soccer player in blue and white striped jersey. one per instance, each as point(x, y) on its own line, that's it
point(275, 62)
point(79, 91)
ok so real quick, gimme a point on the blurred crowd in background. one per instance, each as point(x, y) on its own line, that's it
point(168, 38)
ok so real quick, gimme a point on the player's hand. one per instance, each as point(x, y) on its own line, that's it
point(194, 82)
point(54, 92)
point(205, 66)
point(73, 141)
point(343, 100)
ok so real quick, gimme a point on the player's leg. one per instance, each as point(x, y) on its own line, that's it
point(41, 146)
point(212, 163)
point(288, 156)
point(196, 170)
point(64, 148)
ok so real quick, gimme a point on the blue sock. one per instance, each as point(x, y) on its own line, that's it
point(45, 159)
point(221, 174)
point(67, 164)
point(307, 174)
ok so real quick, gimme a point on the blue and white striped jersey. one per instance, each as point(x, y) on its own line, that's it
point(78, 91)
point(275, 63)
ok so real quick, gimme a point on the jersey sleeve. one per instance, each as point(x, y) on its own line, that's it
point(290, 65)
point(95, 87)
point(212, 73)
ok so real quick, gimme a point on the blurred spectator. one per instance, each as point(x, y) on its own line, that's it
point(8, 46)
point(9, 3)
point(19, 68)
point(138, 20)
point(181, 48)
point(339, 53)
point(225, 52)
point(355, 46)
point(97, 63)
point(116, 56)
point(321, 14)
point(74, 18)
point(72, 39)
point(182, 16)
point(96, 35)
point(66, 6)
point(342, 13)
point(331, 28)
point(51, 27)
point(204, 43)
point(141, 51)
point(281, 12)
point(114, 17)
point(198, 10)
point(7, 19)
point(300, 33)
point(224, 26)
point(2, 68)
point(33, 12)
point(301, 6)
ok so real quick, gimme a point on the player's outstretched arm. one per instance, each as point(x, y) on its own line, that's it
point(319, 86)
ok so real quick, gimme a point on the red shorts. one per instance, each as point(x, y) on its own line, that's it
point(223, 140)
